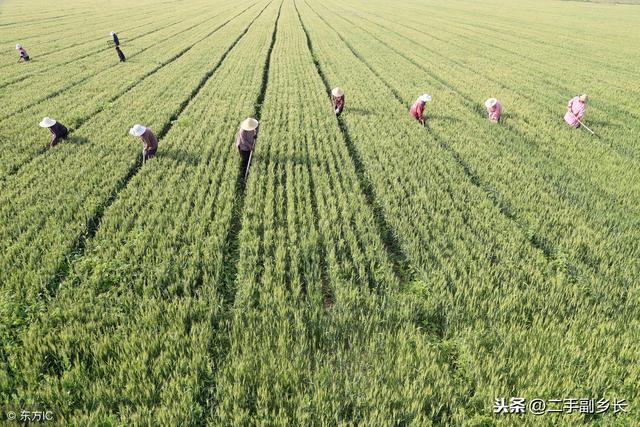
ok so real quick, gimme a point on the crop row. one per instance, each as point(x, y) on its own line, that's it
point(588, 228)
point(77, 105)
point(495, 291)
point(84, 176)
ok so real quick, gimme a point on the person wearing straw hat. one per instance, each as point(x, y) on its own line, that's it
point(246, 141)
point(149, 140)
point(23, 53)
point(116, 40)
point(58, 131)
point(417, 109)
point(575, 110)
point(494, 109)
point(337, 99)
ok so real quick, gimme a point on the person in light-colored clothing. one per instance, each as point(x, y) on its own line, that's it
point(494, 109)
point(575, 110)
point(417, 109)
point(149, 140)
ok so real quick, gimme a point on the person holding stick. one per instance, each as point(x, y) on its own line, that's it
point(575, 110)
point(58, 130)
point(337, 99)
point(149, 141)
point(417, 109)
point(246, 142)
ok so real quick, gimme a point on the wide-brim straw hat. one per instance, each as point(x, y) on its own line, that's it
point(425, 97)
point(490, 103)
point(137, 130)
point(584, 97)
point(18, 46)
point(249, 124)
point(47, 122)
point(337, 92)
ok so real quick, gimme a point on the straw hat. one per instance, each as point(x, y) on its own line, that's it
point(584, 97)
point(425, 98)
point(137, 130)
point(249, 124)
point(112, 33)
point(337, 92)
point(18, 46)
point(490, 103)
point(47, 122)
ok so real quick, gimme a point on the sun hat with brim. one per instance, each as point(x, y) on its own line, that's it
point(490, 103)
point(425, 98)
point(137, 130)
point(18, 46)
point(249, 124)
point(337, 92)
point(47, 122)
point(584, 97)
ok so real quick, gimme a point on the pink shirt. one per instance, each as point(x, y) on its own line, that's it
point(575, 111)
point(496, 112)
point(417, 110)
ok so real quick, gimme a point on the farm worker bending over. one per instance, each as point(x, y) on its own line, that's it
point(58, 131)
point(120, 54)
point(116, 41)
point(337, 98)
point(575, 110)
point(23, 53)
point(246, 141)
point(149, 141)
point(417, 109)
point(494, 108)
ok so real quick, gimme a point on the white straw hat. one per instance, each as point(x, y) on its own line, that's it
point(425, 98)
point(337, 92)
point(137, 130)
point(490, 103)
point(584, 97)
point(47, 122)
point(249, 124)
point(18, 46)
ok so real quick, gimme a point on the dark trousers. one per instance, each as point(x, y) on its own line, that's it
point(244, 162)
point(146, 155)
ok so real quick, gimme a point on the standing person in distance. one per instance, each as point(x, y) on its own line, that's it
point(120, 54)
point(116, 40)
point(246, 142)
point(417, 109)
point(149, 140)
point(58, 131)
point(337, 99)
point(494, 109)
point(24, 56)
point(575, 110)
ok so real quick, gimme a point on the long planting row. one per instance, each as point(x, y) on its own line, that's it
point(36, 89)
point(136, 331)
point(298, 355)
point(589, 229)
point(498, 296)
point(77, 105)
point(75, 51)
point(50, 210)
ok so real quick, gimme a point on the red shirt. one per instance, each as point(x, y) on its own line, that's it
point(417, 110)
